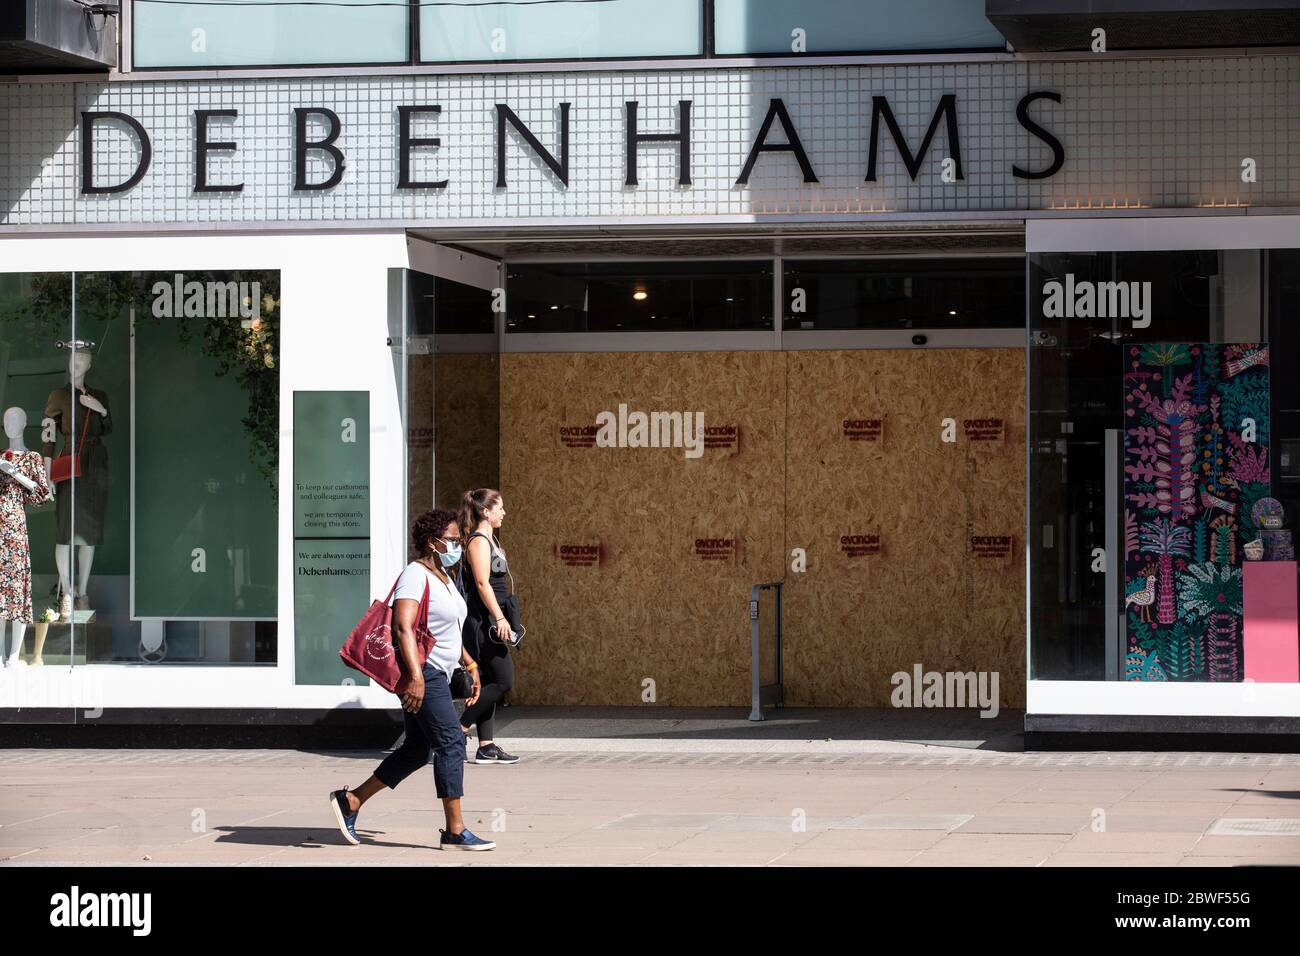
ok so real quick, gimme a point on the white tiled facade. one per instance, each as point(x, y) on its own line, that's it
point(1137, 133)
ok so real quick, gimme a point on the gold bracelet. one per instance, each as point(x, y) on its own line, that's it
point(471, 666)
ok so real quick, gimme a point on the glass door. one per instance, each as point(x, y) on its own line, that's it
point(445, 334)
point(38, 354)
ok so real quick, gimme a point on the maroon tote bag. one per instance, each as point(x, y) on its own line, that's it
point(370, 649)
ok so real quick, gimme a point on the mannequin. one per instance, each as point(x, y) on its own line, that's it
point(85, 528)
point(15, 422)
point(22, 482)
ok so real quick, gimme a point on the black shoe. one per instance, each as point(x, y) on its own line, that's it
point(493, 754)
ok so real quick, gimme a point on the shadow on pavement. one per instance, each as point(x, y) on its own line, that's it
point(302, 837)
point(1279, 794)
point(963, 729)
point(967, 729)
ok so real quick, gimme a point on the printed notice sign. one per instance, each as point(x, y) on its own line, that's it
point(578, 436)
point(858, 545)
point(331, 530)
point(715, 549)
point(996, 546)
point(579, 555)
point(984, 429)
point(862, 429)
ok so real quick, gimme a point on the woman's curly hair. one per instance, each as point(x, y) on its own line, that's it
point(431, 524)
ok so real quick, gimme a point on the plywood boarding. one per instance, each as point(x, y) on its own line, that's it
point(466, 437)
point(651, 605)
point(855, 619)
point(420, 418)
point(635, 564)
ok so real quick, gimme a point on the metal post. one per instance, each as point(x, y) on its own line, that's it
point(755, 665)
point(780, 649)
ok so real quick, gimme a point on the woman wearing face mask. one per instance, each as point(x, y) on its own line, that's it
point(431, 726)
point(487, 585)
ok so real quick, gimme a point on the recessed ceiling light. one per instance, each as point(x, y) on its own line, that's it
point(640, 295)
point(730, 299)
point(532, 316)
point(952, 311)
point(554, 307)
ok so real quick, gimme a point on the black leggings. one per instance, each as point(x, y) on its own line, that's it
point(497, 674)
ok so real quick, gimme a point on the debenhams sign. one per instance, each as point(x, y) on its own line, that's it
point(317, 130)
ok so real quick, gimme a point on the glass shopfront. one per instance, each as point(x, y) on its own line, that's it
point(689, 296)
point(141, 415)
point(449, 376)
point(890, 294)
point(1164, 427)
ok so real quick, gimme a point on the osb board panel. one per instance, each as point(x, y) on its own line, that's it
point(634, 601)
point(650, 604)
point(852, 621)
point(466, 390)
point(420, 418)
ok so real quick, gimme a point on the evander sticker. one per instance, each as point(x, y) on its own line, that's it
point(722, 436)
point(578, 436)
point(984, 429)
point(419, 437)
point(862, 429)
point(716, 549)
point(996, 546)
point(860, 545)
point(579, 555)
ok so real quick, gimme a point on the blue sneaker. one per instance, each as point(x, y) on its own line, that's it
point(464, 840)
point(347, 820)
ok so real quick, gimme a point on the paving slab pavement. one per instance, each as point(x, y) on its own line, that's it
point(658, 802)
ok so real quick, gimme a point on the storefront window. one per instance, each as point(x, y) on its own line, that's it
point(219, 33)
point(904, 293)
point(831, 26)
point(441, 305)
point(490, 30)
point(451, 382)
point(639, 297)
point(1152, 380)
point(1284, 336)
point(153, 402)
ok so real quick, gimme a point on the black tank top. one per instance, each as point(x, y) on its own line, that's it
point(498, 575)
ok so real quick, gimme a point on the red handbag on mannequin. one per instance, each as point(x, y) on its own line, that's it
point(68, 466)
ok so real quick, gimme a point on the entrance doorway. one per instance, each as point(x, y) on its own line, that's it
point(668, 431)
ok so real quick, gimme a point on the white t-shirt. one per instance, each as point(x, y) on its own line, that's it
point(446, 613)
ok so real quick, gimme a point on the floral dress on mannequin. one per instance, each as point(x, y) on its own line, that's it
point(15, 552)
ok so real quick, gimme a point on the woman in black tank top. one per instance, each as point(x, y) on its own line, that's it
point(487, 585)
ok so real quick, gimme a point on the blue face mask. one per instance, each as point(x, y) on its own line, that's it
point(451, 555)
